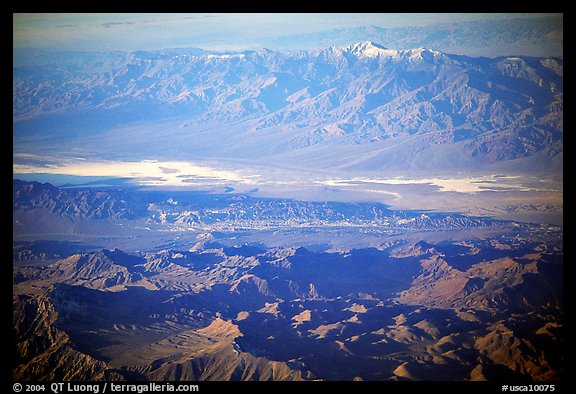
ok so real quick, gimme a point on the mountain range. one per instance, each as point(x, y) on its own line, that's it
point(41, 208)
point(379, 108)
point(473, 310)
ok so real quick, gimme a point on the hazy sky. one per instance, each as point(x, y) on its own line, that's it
point(96, 32)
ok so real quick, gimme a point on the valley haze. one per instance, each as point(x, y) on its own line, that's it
point(330, 207)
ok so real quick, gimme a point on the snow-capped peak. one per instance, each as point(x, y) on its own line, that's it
point(424, 54)
point(368, 49)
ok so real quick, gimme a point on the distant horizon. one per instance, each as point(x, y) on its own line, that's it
point(218, 32)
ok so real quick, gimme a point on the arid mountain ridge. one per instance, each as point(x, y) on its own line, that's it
point(456, 311)
point(37, 206)
point(417, 104)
